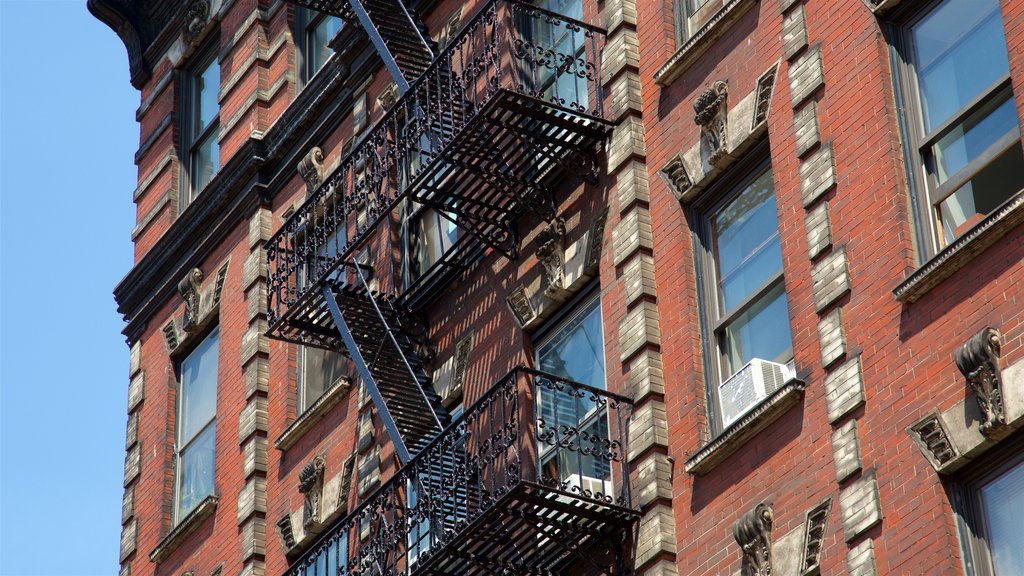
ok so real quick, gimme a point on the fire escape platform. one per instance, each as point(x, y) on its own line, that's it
point(534, 530)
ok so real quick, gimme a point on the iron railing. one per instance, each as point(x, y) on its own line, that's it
point(509, 46)
point(529, 429)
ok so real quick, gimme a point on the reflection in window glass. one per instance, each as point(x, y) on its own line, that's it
point(322, 31)
point(197, 426)
point(1003, 501)
point(319, 370)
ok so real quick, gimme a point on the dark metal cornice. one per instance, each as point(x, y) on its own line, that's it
point(138, 23)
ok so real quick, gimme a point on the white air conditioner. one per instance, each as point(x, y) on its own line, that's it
point(748, 386)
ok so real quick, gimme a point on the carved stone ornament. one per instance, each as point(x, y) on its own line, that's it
point(753, 532)
point(311, 168)
point(551, 253)
point(196, 17)
point(189, 288)
point(711, 116)
point(978, 360)
point(311, 485)
point(674, 174)
point(931, 435)
point(284, 529)
point(388, 97)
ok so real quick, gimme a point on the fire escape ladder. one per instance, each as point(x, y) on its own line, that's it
point(398, 36)
point(371, 327)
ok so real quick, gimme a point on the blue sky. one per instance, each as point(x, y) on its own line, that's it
point(67, 139)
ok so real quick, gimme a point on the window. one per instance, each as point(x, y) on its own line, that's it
point(564, 85)
point(315, 31)
point(575, 351)
point(744, 305)
point(197, 426)
point(992, 504)
point(961, 123)
point(200, 129)
point(318, 370)
point(428, 235)
point(692, 15)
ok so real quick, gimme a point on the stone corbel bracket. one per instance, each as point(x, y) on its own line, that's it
point(978, 360)
point(753, 532)
point(951, 438)
point(200, 306)
point(311, 486)
point(311, 169)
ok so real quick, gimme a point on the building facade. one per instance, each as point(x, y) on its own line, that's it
point(574, 287)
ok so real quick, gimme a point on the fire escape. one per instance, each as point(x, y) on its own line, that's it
point(483, 132)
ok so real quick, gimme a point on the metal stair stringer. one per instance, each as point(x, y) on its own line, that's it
point(392, 374)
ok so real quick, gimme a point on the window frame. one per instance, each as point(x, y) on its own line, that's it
point(710, 318)
point(302, 402)
point(968, 507)
point(190, 137)
point(926, 195)
point(306, 21)
point(177, 514)
point(690, 20)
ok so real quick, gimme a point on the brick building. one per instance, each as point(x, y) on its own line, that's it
point(575, 287)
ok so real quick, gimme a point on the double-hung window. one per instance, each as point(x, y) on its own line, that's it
point(201, 126)
point(692, 15)
point(315, 31)
point(563, 85)
point(745, 309)
point(961, 122)
point(197, 426)
point(990, 505)
point(575, 351)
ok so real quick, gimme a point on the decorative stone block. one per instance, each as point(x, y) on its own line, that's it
point(844, 390)
point(253, 418)
point(806, 75)
point(624, 91)
point(621, 52)
point(135, 358)
point(785, 5)
point(648, 428)
point(846, 450)
point(860, 560)
point(253, 269)
point(632, 233)
point(763, 96)
point(254, 341)
point(627, 141)
point(254, 538)
point(676, 178)
point(132, 433)
point(632, 186)
point(128, 504)
point(646, 375)
point(254, 568)
point(126, 569)
point(129, 540)
point(819, 230)
point(931, 436)
point(654, 479)
point(639, 328)
point(794, 32)
point(656, 535)
point(830, 280)
point(805, 125)
point(132, 465)
point(252, 498)
point(618, 13)
point(261, 227)
point(257, 377)
point(831, 337)
point(638, 278)
point(860, 506)
point(817, 174)
point(136, 390)
point(256, 302)
point(522, 307)
point(815, 525)
point(254, 456)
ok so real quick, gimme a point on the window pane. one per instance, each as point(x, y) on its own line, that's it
point(747, 242)
point(205, 161)
point(195, 471)
point(577, 351)
point(207, 87)
point(760, 332)
point(983, 193)
point(320, 369)
point(1003, 500)
point(198, 388)
point(960, 52)
point(321, 33)
point(974, 136)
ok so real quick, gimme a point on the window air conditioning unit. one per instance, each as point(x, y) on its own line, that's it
point(748, 386)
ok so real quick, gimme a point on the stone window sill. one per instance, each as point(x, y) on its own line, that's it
point(177, 536)
point(297, 429)
point(750, 425)
point(698, 44)
point(955, 256)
